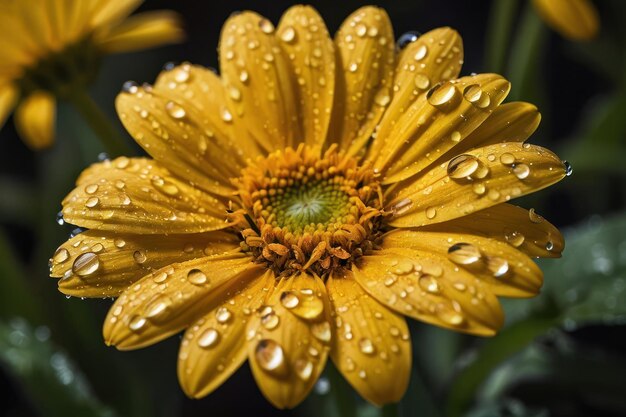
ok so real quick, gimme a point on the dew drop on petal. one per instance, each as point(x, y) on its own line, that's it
point(406, 39)
point(428, 283)
point(92, 202)
point(289, 299)
point(462, 166)
point(464, 253)
point(269, 355)
point(441, 94)
point(92, 188)
point(568, 168)
point(174, 110)
point(507, 158)
point(270, 319)
point(223, 315)
point(208, 338)
point(421, 81)
point(304, 369)
point(119, 243)
point(197, 277)
point(421, 53)
point(137, 323)
point(431, 212)
point(321, 331)
point(498, 266)
point(534, 217)
point(521, 171)
point(157, 307)
point(549, 245)
point(86, 264)
point(366, 346)
point(140, 256)
point(61, 255)
point(514, 238)
point(288, 34)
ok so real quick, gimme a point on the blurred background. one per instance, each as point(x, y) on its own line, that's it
point(560, 354)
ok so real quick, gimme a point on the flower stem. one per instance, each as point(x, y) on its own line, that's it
point(101, 125)
point(501, 18)
point(509, 342)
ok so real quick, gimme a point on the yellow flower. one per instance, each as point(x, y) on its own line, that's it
point(574, 19)
point(49, 48)
point(303, 202)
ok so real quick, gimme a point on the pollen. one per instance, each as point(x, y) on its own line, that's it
point(302, 211)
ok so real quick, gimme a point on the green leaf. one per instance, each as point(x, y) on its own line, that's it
point(52, 381)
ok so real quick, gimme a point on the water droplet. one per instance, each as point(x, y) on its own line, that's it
point(568, 168)
point(288, 35)
point(243, 76)
point(103, 157)
point(464, 253)
point(549, 245)
point(266, 26)
point(462, 166)
point(136, 323)
point(441, 95)
point(197, 277)
point(534, 217)
point(304, 369)
point(174, 110)
point(270, 356)
point(92, 188)
point(119, 243)
point(421, 52)
point(168, 66)
point(289, 299)
point(451, 317)
point(321, 331)
point(86, 264)
point(421, 81)
point(521, 171)
point(382, 98)
point(140, 256)
point(61, 255)
point(59, 219)
point(498, 266)
point(226, 115)
point(361, 30)
point(429, 284)
point(479, 188)
point(234, 93)
point(431, 212)
point(270, 319)
point(353, 67)
point(92, 202)
point(157, 307)
point(507, 158)
point(130, 87)
point(208, 338)
point(406, 39)
point(514, 238)
point(223, 315)
point(366, 346)
point(181, 74)
point(455, 136)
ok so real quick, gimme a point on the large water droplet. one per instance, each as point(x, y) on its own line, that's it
point(61, 255)
point(498, 266)
point(288, 34)
point(304, 369)
point(269, 319)
point(86, 264)
point(464, 253)
point(321, 331)
point(568, 168)
point(441, 95)
point(421, 53)
point(137, 323)
point(521, 171)
point(429, 284)
point(507, 158)
point(407, 38)
point(208, 338)
point(514, 238)
point(270, 356)
point(462, 166)
point(140, 256)
point(174, 110)
point(223, 315)
point(266, 26)
point(289, 299)
point(197, 277)
point(157, 307)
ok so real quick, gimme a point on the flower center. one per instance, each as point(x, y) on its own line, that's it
point(306, 212)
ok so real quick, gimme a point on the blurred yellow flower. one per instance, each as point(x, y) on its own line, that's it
point(574, 19)
point(49, 48)
point(302, 203)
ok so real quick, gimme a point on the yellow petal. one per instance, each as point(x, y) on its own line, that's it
point(103, 264)
point(140, 196)
point(520, 228)
point(142, 31)
point(505, 270)
point(108, 12)
point(34, 120)
point(201, 88)
point(434, 57)
point(152, 310)
point(510, 122)
point(289, 340)
point(312, 57)
point(436, 122)
point(214, 347)
point(430, 288)
point(181, 138)
point(574, 19)
point(473, 181)
point(8, 98)
point(372, 347)
point(365, 44)
point(258, 80)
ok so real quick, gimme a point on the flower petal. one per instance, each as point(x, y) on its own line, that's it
point(215, 346)
point(8, 98)
point(505, 270)
point(139, 196)
point(181, 138)
point(430, 288)
point(303, 36)
point(34, 120)
point(434, 57)
point(109, 12)
point(202, 88)
point(258, 80)
point(103, 264)
point(152, 309)
point(365, 76)
point(142, 31)
point(436, 122)
point(522, 229)
point(476, 180)
point(372, 348)
point(574, 19)
point(289, 340)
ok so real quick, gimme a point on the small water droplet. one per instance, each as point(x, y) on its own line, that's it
point(304, 369)
point(288, 34)
point(366, 346)
point(289, 299)
point(568, 168)
point(421, 81)
point(431, 212)
point(406, 39)
point(208, 338)
point(130, 87)
point(91, 188)
point(270, 319)
point(514, 238)
point(137, 323)
point(266, 26)
point(223, 315)
point(181, 74)
point(549, 245)
point(429, 284)
point(61, 255)
point(86, 264)
point(226, 115)
point(507, 158)
point(197, 277)
point(421, 52)
point(119, 243)
point(464, 253)
point(140, 256)
point(498, 266)
point(92, 202)
point(59, 218)
point(157, 307)
point(521, 171)
point(168, 66)
point(174, 110)
point(321, 331)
